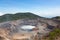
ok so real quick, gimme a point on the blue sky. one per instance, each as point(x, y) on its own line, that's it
point(45, 8)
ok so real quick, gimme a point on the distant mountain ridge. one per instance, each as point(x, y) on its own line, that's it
point(10, 17)
point(57, 18)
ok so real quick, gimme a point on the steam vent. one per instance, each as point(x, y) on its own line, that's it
point(25, 26)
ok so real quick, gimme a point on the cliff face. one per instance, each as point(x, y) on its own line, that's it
point(11, 23)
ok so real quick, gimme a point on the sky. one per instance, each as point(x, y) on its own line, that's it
point(44, 8)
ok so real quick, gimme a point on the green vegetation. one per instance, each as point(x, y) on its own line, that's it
point(9, 17)
point(54, 34)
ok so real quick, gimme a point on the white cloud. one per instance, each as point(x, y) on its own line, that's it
point(42, 11)
point(1, 13)
point(48, 12)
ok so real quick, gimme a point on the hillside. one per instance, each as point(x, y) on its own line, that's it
point(10, 17)
point(56, 18)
